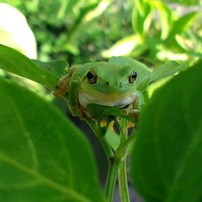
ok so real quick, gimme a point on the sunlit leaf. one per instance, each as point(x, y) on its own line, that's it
point(15, 31)
point(125, 46)
point(15, 62)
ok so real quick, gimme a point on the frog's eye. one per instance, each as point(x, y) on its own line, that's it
point(132, 77)
point(92, 77)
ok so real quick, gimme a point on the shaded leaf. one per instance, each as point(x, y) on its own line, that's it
point(43, 157)
point(100, 112)
point(166, 161)
point(15, 62)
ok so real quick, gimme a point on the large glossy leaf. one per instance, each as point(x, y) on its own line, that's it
point(17, 63)
point(43, 157)
point(166, 161)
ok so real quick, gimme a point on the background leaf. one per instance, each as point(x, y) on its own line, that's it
point(15, 62)
point(166, 163)
point(142, 17)
point(125, 46)
point(183, 23)
point(166, 17)
point(43, 157)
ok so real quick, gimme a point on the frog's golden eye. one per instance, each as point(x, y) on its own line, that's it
point(132, 77)
point(92, 77)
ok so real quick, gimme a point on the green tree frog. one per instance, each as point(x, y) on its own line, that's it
point(120, 83)
point(98, 83)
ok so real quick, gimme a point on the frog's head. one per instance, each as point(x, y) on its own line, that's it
point(107, 84)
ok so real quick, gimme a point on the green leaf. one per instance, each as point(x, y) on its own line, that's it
point(43, 157)
point(166, 17)
point(166, 160)
point(15, 62)
point(183, 23)
point(142, 17)
point(101, 112)
point(125, 46)
point(143, 71)
point(57, 67)
point(168, 69)
point(112, 138)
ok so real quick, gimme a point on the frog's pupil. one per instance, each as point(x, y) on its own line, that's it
point(133, 77)
point(92, 77)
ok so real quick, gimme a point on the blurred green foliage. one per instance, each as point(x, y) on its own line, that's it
point(162, 32)
point(76, 31)
point(80, 31)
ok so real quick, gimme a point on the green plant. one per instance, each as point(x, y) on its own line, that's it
point(58, 25)
point(45, 157)
point(40, 149)
point(161, 33)
point(167, 152)
point(75, 31)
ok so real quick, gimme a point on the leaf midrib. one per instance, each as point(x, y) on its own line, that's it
point(69, 192)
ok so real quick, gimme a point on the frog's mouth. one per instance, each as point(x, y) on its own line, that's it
point(105, 100)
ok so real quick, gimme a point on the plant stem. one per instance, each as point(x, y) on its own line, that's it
point(112, 163)
point(121, 156)
point(121, 151)
point(108, 151)
point(116, 160)
point(123, 182)
point(111, 179)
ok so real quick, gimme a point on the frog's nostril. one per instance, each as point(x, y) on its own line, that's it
point(120, 85)
point(107, 83)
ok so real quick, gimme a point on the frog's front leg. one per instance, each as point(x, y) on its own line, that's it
point(135, 106)
point(62, 86)
point(73, 100)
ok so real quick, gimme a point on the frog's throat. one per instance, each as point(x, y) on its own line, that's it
point(105, 100)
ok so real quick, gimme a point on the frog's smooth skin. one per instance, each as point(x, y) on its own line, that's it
point(99, 83)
